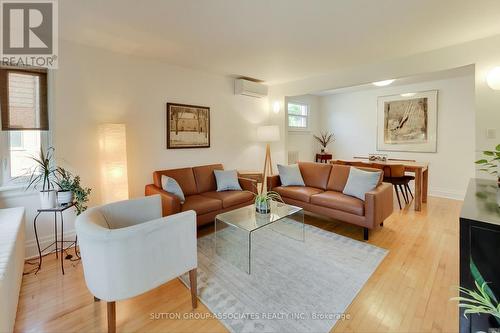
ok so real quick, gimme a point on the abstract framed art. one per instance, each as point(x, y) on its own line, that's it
point(408, 122)
point(188, 126)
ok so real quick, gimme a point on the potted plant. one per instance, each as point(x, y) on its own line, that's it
point(42, 175)
point(65, 183)
point(263, 201)
point(490, 163)
point(324, 139)
point(71, 190)
point(480, 301)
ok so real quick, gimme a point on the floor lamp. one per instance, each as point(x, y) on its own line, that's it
point(267, 134)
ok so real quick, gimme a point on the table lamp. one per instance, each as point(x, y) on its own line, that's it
point(267, 134)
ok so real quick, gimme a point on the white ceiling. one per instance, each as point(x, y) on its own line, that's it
point(276, 40)
point(424, 77)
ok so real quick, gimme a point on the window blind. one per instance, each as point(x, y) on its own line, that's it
point(23, 99)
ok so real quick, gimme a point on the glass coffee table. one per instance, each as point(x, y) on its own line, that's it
point(234, 230)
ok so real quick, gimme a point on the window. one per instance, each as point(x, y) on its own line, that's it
point(23, 102)
point(297, 115)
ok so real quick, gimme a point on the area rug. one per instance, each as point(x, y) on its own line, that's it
point(294, 286)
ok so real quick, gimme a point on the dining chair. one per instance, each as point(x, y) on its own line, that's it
point(395, 174)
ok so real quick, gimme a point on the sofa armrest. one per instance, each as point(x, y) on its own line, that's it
point(170, 204)
point(248, 184)
point(378, 205)
point(273, 181)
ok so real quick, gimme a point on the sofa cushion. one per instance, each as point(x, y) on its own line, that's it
point(302, 193)
point(205, 178)
point(315, 174)
point(201, 204)
point(339, 201)
point(230, 198)
point(227, 180)
point(338, 177)
point(290, 175)
point(360, 182)
point(340, 174)
point(184, 177)
point(171, 186)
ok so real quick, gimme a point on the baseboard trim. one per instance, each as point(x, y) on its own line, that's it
point(32, 250)
point(448, 194)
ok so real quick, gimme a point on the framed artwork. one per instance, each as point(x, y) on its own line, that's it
point(188, 126)
point(408, 122)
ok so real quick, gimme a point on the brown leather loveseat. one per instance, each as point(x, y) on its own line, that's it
point(199, 187)
point(322, 194)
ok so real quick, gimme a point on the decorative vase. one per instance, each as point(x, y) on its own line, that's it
point(47, 199)
point(64, 197)
point(323, 150)
point(263, 207)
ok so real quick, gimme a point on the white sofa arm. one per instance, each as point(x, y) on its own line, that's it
point(123, 263)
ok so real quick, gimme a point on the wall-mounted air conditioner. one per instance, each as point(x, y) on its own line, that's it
point(249, 88)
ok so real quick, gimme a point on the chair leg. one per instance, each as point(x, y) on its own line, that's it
point(403, 193)
point(193, 285)
point(409, 190)
point(405, 186)
point(365, 233)
point(397, 196)
point(381, 224)
point(111, 317)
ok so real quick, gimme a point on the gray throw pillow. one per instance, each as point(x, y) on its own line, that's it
point(227, 180)
point(290, 175)
point(359, 182)
point(170, 185)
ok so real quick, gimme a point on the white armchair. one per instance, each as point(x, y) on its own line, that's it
point(128, 248)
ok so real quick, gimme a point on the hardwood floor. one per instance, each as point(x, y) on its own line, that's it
point(409, 292)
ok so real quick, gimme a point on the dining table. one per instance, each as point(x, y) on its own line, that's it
point(419, 169)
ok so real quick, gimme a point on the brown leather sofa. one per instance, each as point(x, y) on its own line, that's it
point(199, 187)
point(323, 195)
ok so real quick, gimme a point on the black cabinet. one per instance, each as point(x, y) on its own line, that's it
point(480, 247)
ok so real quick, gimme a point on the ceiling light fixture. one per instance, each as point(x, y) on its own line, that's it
point(382, 83)
point(408, 94)
point(493, 78)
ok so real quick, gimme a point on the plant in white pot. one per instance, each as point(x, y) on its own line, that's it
point(71, 190)
point(42, 176)
point(65, 183)
point(324, 139)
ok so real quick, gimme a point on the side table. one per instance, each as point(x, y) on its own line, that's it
point(59, 244)
point(323, 157)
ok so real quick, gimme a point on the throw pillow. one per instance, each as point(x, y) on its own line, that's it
point(227, 180)
point(170, 185)
point(359, 182)
point(290, 175)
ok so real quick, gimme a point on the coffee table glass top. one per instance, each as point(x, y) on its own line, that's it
point(248, 219)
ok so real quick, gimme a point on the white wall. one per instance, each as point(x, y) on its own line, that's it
point(353, 118)
point(94, 86)
point(302, 140)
